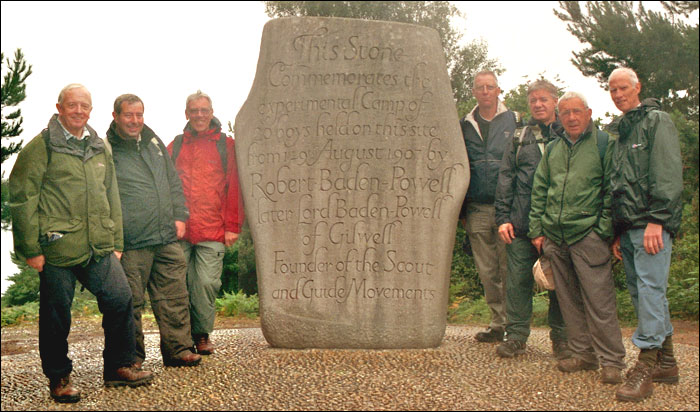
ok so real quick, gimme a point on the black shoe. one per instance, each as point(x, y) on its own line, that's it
point(490, 335)
point(510, 348)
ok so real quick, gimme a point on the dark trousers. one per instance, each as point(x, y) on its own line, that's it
point(162, 271)
point(106, 280)
point(522, 255)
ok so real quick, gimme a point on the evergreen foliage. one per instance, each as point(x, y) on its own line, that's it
point(13, 93)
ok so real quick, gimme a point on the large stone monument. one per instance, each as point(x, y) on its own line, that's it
point(353, 171)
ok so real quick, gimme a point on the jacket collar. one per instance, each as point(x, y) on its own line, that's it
point(622, 125)
point(471, 119)
point(58, 142)
point(147, 134)
point(213, 132)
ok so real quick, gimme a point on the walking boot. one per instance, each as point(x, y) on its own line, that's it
point(203, 344)
point(62, 390)
point(576, 364)
point(127, 376)
point(185, 358)
point(638, 385)
point(490, 335)
point(510, 348)
point(611, 375)
point(561, 350)
point(666, 368)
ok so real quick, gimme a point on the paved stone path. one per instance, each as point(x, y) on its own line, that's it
point(246, 374)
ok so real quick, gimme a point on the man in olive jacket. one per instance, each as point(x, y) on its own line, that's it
point(154, 212)
point(570, 222)
point(646, 184)
point(67, 224)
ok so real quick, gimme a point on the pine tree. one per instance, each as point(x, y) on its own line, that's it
point(13, 93)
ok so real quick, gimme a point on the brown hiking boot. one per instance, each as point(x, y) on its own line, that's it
point(575, 364)
point(203, 344)
point(666, 369)
point(611, 375)
point(127, 376)
point(638, 385)
point(186, 358)
point(62, 390)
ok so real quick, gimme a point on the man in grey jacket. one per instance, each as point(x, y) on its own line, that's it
point(154, 215)
point(512, 208)
point(487, 130)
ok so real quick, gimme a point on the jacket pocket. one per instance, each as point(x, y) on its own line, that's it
point(102, 235)
point(62, 240)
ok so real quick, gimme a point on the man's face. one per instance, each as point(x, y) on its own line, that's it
point(199, 113)
point(130, 120)
point(542, 105)
point(75, 109)
point(624, 94)
point(486, 91)
point(574, 116)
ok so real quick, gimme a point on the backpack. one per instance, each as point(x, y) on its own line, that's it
point(519, 135)
point(601, 142)
point(220, 146)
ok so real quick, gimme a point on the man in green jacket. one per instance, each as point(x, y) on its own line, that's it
point(154, 214)
point(570, 223)
point(67, 224)
point(646, 185)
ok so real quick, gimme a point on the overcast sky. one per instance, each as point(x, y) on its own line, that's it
point(164, 51)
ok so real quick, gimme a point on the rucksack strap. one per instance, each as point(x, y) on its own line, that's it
point(519, 135)
point(46, 136)
point(220, 147)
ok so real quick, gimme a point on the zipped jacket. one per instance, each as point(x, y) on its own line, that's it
point(149, 188)
point(68, 208)
point(517, 173)
point(212, 196)
point(647, 176)
point(485, 155)
point(570, 191)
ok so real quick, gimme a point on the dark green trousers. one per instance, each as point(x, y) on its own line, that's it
point(162, 271)
point(519, 291)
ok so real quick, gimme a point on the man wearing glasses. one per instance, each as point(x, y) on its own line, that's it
point(205, 159)
point(487, 130)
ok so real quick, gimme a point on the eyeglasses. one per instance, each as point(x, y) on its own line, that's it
point(200, 111)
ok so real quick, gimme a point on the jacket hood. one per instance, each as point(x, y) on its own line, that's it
point(214, 127)
point(623, 125)
point(59, 143)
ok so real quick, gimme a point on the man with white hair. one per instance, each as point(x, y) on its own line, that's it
point(570, 223)
point(646, 182)
point(67, 224)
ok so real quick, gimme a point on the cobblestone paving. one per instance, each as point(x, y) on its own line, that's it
point(246, 374)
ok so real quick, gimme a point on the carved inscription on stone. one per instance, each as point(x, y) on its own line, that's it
point(353, 169)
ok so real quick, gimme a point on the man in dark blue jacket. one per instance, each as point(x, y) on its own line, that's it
point(487, 130)
point(154, 215)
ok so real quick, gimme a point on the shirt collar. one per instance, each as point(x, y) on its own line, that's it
point(68, 134)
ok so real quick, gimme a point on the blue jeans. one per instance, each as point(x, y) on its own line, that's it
point(106, 280)
point(647, 280)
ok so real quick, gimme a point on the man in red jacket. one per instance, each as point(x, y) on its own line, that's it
point(205, 159)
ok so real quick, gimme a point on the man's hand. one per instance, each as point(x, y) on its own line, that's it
point(653, 238)
point(537, 243)
point(230, 238)
point(180, 229)
point(616, 248)
point(37, 262)
point(118, 254)
point(505, 231)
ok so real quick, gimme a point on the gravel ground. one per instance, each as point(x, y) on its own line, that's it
point(246, 374)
